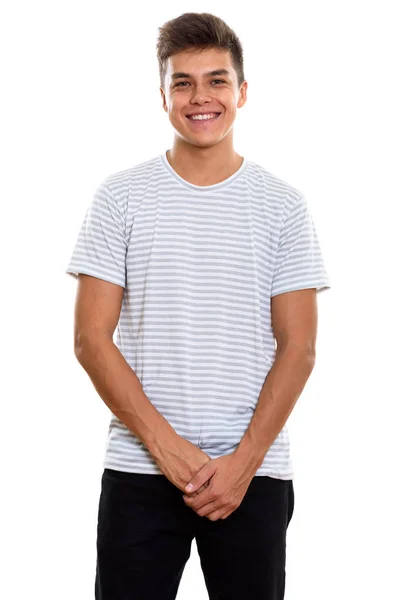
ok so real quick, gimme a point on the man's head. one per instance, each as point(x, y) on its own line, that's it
point(190, 49)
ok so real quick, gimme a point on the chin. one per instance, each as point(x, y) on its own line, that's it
point(205, 144)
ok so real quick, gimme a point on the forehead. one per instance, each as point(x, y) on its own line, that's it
point(198, 63)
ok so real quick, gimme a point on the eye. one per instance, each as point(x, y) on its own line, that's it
point(181, 82)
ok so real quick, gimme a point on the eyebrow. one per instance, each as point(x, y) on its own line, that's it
point(180, 74)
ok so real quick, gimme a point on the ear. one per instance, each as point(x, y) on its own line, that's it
point(164, 101)
point(242, 95)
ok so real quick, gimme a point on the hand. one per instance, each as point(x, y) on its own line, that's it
point(229, 480)
point(179, 460)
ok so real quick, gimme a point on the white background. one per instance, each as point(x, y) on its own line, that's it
point(80, 101)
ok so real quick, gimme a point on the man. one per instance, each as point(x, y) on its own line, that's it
point(201, 260)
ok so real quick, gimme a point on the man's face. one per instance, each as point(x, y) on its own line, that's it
point(190, 89)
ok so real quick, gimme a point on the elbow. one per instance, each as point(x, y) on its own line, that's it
point(308, 354)
point(89, 344)
point(310, 357)
point(307, 359)
point(79, 339)
point(301, 353)
point(79, 349)
point(82, 345)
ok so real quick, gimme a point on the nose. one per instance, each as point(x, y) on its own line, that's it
point(200, 95)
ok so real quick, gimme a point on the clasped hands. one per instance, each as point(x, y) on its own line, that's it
point(229, 480)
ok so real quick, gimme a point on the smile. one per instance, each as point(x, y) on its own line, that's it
point(204, 119)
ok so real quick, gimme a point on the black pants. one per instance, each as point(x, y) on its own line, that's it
point(145, 531)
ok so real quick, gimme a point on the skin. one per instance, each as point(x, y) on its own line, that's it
point(203, 155)
point(294, 320)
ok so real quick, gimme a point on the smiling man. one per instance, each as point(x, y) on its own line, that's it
point(207, 267)
point(201, 102)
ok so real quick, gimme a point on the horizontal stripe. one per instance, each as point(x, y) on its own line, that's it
point(199, 266)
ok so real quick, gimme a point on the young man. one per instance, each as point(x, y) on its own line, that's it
point(200, 260)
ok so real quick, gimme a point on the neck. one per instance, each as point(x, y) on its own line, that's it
point(203, 166)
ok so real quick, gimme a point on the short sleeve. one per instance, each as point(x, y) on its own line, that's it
point(299, 261)
point(100, 249)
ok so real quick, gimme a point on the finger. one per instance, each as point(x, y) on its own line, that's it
point(211, 507)
point(203, 487)
point(199, 500)
point(214, 516)
point(226, 514)
point(194, 494)
point(205, 473)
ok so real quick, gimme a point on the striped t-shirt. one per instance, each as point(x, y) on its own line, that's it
point(199, 265)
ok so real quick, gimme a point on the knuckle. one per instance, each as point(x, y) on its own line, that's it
point(214, 517)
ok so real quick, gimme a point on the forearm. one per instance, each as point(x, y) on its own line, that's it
point(120, 389)
point(282, 387)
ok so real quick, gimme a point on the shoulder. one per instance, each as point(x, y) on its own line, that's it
point(138, 173)
point(119, 185)
point(279, 193)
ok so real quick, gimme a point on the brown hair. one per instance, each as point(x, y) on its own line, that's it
point(198, 31)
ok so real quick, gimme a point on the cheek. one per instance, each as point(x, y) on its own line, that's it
point(174, 116)
point(176, 113)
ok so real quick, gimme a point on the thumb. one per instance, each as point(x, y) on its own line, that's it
point(201, 477)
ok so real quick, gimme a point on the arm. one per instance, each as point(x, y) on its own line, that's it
point(97, 310)
point(294, 320)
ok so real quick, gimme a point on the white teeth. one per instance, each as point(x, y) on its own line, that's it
point(203, 117)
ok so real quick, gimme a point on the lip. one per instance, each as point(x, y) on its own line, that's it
point(203, 122)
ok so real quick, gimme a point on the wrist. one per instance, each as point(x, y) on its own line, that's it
point(249, 454)
point(162, 441)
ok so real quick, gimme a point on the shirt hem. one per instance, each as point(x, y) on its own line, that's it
point(155, 471)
